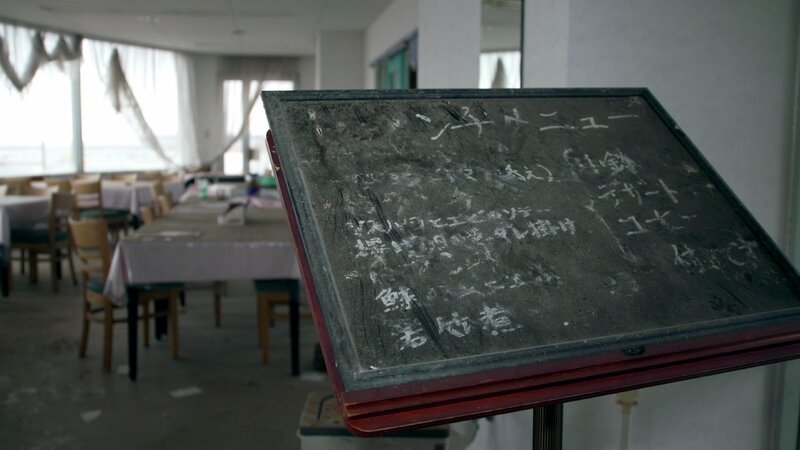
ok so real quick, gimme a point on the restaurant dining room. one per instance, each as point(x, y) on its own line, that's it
point(200, 249)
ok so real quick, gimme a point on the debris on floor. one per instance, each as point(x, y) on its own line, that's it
point(186, 392)
point(91, 416)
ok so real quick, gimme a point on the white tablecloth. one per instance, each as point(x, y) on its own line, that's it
point(178, 254)
point(131, 195)
point(18, 209)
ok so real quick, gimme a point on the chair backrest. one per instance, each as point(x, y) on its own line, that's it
point(164, 204)
point(62, 184)
point(147, 215)
point(16, 186)
point(88, 195)
point(62, 208)
point(86, 177)
point(173, 178)
point(129, 177)
point(38, 190)
point(3, 190)
point(151, 176)
point(157, 190)
point(90, 237)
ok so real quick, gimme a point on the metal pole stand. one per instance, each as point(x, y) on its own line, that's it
point(548, 424)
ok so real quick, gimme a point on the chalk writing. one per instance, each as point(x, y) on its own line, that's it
point(612, 163)
point(514, 119)
point(591, 124)
point(638, 228)
point(409, 334)
point(455, 325)
point(394, 299)
point(539, 173)
point(496, 320)
point(740, 253)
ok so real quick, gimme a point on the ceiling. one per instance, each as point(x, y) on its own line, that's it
point(263, 27)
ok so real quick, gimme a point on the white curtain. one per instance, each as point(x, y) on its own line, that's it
point(23, 51)
point(143, 84)
point(500, 70)
point(187, 110)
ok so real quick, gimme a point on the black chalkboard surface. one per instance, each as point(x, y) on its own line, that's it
point(454, 240)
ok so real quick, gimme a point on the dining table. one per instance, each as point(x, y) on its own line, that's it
point(202, 241)
point(130, 195)
point(17, 210)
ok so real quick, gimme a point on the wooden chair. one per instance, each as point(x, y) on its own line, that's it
point(62, 184)
point(51, 239)
point(127, 177)
point(93, 250)
point(164, 204)
point(15, 186)
point(89, 202)
point(38, 190)
point(270, 293)
point(147, 215)
point(172, 178)
point(151, 176)
point(156, 190)
point(84, 177)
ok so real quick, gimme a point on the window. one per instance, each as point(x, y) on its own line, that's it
point(37, 123)
point(500, 70)
point(255, 130)
point(110, 142)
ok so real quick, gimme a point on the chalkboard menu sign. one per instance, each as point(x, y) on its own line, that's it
point(472, 252)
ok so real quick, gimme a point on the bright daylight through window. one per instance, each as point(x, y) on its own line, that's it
point(236, 102)
point(37, 136)
point(128, 106)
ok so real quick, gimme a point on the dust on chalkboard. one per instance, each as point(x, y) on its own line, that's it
point(464, 228)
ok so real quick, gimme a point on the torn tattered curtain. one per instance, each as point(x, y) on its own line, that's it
point(123, 100)
point(66, 49)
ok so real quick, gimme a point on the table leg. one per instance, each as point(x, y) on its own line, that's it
point(59, 268)
point(133, 328)
point(5, 279)
point(161, 308)
point(294, 326)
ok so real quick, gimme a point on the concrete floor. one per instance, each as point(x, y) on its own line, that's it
point(45, 388)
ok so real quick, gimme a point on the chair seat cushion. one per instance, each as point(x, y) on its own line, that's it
point(107, 213)
point(38, 233)
point(95, 285)
point(279, 285)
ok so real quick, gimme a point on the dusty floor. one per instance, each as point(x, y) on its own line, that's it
point(48, 395)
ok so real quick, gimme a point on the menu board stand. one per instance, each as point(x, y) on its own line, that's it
point(548, 423)
point(473, 252)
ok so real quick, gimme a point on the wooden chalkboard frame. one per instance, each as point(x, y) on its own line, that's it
point(374, 401)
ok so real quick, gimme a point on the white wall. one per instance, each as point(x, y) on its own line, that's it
point(725, 70)
point(340, 60)
point(545, 43)
point(306, 66)
point(449, 43)
point(398, 21)
point(449, 40)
